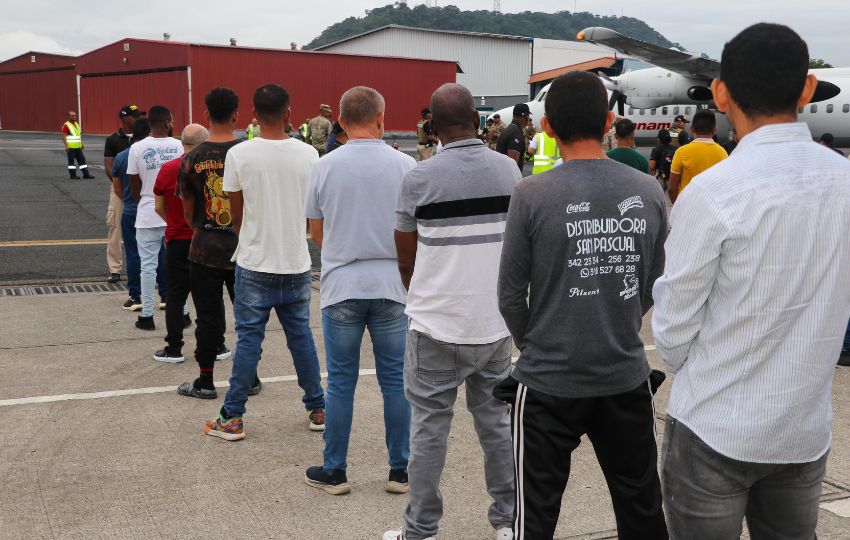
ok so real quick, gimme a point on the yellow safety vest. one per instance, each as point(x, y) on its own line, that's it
point(252, 131)
point(304, 130)
point(75, 137)
point(547, 153)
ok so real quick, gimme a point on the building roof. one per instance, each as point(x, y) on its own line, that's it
point(24, 62)
point(414, 28)
point(599, 63)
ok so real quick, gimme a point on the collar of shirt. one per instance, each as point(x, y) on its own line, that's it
point(776, 133)
point(704, 140)
point(464, 143)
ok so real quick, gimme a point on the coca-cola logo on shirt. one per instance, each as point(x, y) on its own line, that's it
point(577, 208)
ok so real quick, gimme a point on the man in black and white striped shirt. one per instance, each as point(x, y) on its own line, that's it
point(752, 307)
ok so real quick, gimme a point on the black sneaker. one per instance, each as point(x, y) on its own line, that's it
point(333, 482)
point(114, 278)
point(223, 353)
point(844, 359)
point(191, 389)
point(397, 482)
point(133, 304)
point(145, 323)
point(187, 321)
point(168, 356)
point(258, 385)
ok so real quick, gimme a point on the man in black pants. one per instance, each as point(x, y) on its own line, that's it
point(594, 229)
point(207, 209)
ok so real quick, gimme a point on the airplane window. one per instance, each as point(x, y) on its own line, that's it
point(687, 110)
point(642, 112)
point(829, 108)
point(800, 110)
point(675, 110)
point(664, 110)
point(814, 108)
point(652, 111)
point(631, 111)
point(845, 108)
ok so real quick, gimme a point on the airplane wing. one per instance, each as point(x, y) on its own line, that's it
point(684, 63)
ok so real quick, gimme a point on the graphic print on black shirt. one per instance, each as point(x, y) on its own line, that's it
point(202, 175)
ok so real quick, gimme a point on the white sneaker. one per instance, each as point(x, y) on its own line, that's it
point(505, 533)
point(396, 535)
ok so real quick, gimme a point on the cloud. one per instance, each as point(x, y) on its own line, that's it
point(18, 42)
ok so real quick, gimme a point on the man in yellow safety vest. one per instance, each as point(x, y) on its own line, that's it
point(72, 135)
point(545, 152)
point(253, 129)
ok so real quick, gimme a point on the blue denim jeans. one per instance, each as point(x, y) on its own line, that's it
point(846, 346)
point(343, 325)
point(128, 235)
point(152, 256)
point(257, 293)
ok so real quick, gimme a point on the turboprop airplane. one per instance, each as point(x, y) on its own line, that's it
point(682, 80)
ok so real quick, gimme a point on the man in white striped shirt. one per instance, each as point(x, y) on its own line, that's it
point(751, 310)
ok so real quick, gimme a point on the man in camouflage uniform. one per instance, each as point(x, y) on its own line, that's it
point(609, 140)
point(320, 128)
point(495, 130)
point(677, 127)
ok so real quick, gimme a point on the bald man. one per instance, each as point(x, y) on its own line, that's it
point(456, 334)
point(178, 236)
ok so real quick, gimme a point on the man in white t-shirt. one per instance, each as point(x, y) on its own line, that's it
point(266, 180)
point(143, 164)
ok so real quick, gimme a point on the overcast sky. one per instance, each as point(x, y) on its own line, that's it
point(701, 25)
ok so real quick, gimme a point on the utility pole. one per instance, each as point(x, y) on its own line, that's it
point(497, 6)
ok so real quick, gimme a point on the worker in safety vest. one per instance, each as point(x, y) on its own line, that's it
point(253, 129)
point(425, 139)
point(545, 152)
point(72, 135)
point(304, 131)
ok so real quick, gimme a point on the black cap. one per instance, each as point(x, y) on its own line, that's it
point(130, 110)
point(521, 109)
point(681, 118)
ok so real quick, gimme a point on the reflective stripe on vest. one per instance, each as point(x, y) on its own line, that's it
point(250, 131)
point(547, 153)
point(74, 139)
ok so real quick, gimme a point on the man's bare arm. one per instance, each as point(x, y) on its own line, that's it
point(405, 245)
point(188, 207)
point(317, 231)
point(159, 207)
point(136, 187)
point(673, 186)
point(237, 205)
point(107, 165)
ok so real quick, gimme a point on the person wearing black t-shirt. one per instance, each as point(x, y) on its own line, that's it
point(512, 140)
point(661, 157)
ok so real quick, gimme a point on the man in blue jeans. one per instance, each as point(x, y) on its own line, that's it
point(266, 182)
point(351, 207)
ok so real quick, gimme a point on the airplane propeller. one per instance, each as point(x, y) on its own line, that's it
point(618, 98)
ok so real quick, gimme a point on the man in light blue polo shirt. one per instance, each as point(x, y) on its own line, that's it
point(351, 206)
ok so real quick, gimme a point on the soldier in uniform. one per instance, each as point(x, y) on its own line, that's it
point(609, 140)
point(320, 128)
point(424, 136)
point(677, 128)
point(496, 130)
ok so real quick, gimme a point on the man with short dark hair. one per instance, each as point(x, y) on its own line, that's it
point(828, 140)
point(143, 164)
point(587, 239)
point(449, 226)
point(512, 139)
point(624, 131)
point(206, 207)
point(732, 143)
point(425, 139)
point(752, 307)
point(697, 156)
point(115, 143)
point(266, 181)
point(351, 206)
point(661, 158)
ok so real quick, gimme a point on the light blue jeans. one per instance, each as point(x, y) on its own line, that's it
point(152, 256)
point(344, 324)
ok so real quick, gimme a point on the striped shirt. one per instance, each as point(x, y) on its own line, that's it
point(753, 304)
point(457, 202)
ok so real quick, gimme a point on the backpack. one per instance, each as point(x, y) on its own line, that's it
point(666, 155)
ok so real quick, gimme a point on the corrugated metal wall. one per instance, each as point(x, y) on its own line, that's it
point(37, 101)
point(492, 66)
point(102, 97)
point(316, 78)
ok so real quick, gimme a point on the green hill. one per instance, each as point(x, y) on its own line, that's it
point(561, 25)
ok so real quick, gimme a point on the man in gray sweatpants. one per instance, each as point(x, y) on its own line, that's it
point(450, 223)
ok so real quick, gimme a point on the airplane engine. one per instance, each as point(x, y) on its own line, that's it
point(656, 87)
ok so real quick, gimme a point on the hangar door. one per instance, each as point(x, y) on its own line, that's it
point(101, 97)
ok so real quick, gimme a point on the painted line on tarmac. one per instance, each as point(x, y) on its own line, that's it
point(41, 243)
point(163, 389)
point(839, 508)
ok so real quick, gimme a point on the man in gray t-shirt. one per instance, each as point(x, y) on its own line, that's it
point(350, 204)
point(587, 239)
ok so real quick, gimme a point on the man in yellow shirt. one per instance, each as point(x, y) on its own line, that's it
point(697, 156)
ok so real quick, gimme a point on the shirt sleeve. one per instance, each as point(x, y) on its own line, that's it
point(406, 207)
point(693, 252)
point(131, 160)
point(159, 187)
point(645, 164)
point(515, 269)
point(676, 165)
point(116, 168)
point(654, 155)
point(184, 180)
point(516, 141)
point(232, 182)
point(312, 206)
point(109, 148)
point(532, 146)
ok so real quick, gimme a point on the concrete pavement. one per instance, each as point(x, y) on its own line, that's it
point(139, 465)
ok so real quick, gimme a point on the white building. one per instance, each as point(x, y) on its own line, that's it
point(499, 70)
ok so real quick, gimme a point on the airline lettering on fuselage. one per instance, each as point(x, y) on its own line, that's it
point(652, 126)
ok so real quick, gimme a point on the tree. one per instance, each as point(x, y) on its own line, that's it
point(818, 63)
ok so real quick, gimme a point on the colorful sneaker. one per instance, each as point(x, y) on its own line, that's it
point(223, 353)
point(229, 430)
point(397, 482)
point(317, 419)
point(168, 356)
point(505, 533)
point(334, 483)
point(133, 304)
point(396, 535)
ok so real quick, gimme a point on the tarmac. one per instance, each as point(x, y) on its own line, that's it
point(103, 447)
